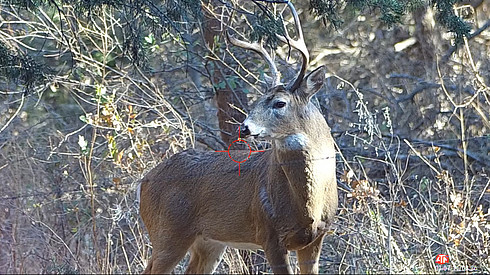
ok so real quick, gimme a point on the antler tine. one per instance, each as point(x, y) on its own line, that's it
point(258, 48)
point(297, 44)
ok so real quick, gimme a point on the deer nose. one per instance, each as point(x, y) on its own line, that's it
point(244, 131)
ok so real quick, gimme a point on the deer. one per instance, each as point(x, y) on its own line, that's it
point(284, 200)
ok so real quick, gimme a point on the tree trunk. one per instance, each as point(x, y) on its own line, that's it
point(229, 118)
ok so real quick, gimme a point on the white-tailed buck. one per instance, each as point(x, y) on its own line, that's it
point(284, 198)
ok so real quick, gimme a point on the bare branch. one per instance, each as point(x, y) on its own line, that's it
point(258, 48)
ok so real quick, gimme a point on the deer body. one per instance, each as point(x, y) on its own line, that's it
point(283, 199)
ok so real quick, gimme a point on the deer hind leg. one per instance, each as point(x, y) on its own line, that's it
point(309, 257)
point(167, 252)
point(205, 256)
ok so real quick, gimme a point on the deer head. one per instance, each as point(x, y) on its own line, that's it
point(282, 113)
point(285, 110)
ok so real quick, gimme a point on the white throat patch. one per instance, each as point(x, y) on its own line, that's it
point(294, 142)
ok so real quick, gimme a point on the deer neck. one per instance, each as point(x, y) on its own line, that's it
point(302, 160)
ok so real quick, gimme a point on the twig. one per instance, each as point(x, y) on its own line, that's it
point(15, 114)
point(397, 75)
point(61, 240)
point(451, 50)
point(420, 88)
point(470, 154)
point(480, 158)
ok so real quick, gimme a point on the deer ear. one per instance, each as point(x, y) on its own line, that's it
point(313, 82)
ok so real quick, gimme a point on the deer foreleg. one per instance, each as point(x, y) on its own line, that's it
point(308, 257)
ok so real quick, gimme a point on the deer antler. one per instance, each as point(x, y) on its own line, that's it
point(297, 44)
point(258, 48)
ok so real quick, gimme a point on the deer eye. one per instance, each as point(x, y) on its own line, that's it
point(279, 104)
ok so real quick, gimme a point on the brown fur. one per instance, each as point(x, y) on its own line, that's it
point(284, 198)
